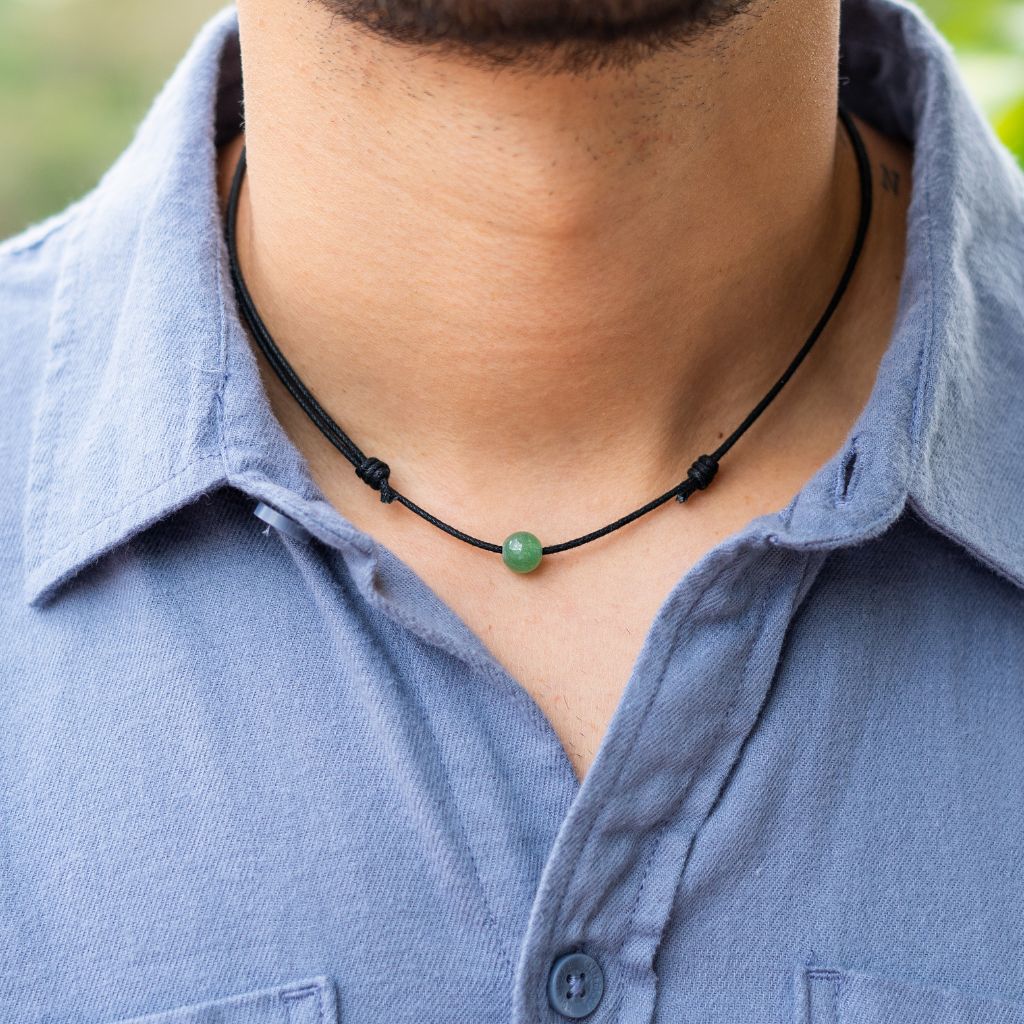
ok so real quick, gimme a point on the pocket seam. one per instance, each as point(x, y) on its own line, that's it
point(313, 989)
point(848, 986)
point(835, 977)
point(282, 1001)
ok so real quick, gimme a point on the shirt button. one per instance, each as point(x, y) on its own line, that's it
point(575, 985)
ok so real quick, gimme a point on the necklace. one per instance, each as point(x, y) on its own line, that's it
point(522, 551)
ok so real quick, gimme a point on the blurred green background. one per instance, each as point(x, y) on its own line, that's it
point(76, 76)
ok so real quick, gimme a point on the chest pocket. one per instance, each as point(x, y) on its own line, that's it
point(834, 996)
point(310, 1001)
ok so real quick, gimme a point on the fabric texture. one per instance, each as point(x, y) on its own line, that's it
point(239, 761)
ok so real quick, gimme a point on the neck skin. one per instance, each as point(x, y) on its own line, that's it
point(538, 298)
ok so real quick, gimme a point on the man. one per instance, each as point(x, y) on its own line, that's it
point(273, 749)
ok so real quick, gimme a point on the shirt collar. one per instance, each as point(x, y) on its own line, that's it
point(152, 397)
point(955, 369)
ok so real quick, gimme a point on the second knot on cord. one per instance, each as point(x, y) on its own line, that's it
point(698, 477)
point(375, 473)
point(703, 471)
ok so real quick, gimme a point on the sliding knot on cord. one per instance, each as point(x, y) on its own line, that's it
point(375, 473)
point(698, 477)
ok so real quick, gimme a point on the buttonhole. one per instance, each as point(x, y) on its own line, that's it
point(846, 473)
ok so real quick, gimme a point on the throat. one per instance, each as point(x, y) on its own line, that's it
point(568, 277)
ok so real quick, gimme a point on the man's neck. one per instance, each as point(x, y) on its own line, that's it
point(542, 285)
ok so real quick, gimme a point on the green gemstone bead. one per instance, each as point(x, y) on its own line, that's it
point(521, 551)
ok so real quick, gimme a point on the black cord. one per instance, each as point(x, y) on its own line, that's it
point(375, 473)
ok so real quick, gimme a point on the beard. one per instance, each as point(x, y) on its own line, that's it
point(547, 36)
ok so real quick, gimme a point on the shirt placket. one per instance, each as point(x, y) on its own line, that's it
point(611, 878)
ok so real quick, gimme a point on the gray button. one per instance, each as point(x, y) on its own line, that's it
point(280, 522)
point(575, 985)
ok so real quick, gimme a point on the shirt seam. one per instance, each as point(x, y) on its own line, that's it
point(923, 417)
point(799, 595)
point(38, 508)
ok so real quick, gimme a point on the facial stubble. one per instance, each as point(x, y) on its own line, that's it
point(541, 36)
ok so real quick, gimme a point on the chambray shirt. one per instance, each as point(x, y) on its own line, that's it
point(257, 772)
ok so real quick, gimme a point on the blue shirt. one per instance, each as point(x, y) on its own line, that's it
point(256, 774)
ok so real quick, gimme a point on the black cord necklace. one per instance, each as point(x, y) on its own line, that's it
point(522, 551)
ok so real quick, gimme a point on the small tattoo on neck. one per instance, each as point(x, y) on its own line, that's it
point(890, 180)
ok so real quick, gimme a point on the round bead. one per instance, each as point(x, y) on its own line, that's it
point(521, 551)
